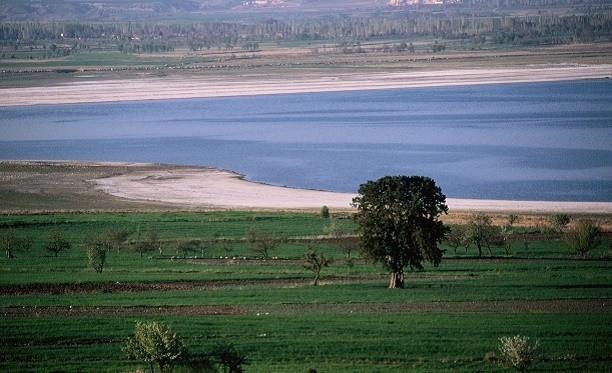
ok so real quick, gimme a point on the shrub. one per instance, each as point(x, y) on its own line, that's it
point(517, 352)
point(228, 356)
point(583, 238)
point(96, 248)
point(559, 221)
point(155, 343)
point(97, 258)
point(324, 212)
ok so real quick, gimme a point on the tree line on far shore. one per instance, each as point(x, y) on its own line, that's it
point(59, 38)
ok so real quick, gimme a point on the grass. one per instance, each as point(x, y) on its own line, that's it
point(172, 224)
point(446, 320)
point(327, 342)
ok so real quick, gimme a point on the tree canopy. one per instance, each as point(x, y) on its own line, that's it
point(398, 223)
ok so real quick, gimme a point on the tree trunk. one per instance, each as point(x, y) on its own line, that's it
point(397, 280)
point(316, 279)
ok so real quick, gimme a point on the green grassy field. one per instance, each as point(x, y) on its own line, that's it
point(60, 315)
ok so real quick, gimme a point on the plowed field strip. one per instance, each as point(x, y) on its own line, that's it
point(118, 287)
point(553, 306)
point(118, 311)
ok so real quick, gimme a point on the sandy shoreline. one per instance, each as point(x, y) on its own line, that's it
point(44, 186)
point(206, 187)
point(156, 88)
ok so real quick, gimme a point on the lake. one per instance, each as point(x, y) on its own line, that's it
point(524, 141)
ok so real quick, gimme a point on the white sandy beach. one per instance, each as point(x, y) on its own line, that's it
point(212, 188)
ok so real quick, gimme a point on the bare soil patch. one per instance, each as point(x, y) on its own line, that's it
point(115, 287)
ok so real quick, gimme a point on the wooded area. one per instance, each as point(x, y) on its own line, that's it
point(39, 38)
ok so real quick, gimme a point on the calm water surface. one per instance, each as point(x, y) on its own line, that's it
point(536, 141)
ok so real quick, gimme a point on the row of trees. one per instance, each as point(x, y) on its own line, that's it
point(98, 245)
point(13, 242)
point(150, 37)
point(481, 233)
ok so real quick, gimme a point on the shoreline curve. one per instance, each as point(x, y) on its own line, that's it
point(63, 185)
point(209, 187)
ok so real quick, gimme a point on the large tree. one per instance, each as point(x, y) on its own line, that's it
point(398, 223)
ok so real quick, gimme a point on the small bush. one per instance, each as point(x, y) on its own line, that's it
point(155, 343)
point(583, 238)
point(517, 352)
point(324, 212)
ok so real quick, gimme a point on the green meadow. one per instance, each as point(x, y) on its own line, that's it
point(59, 315)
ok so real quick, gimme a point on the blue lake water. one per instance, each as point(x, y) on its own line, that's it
point(529, 141)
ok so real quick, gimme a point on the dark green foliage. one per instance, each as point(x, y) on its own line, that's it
point(398, 223)
point(325, 212)
point(228, 356)
point(348, 325)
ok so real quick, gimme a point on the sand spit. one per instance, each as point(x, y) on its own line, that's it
point(156, 88)
point(205, 187)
